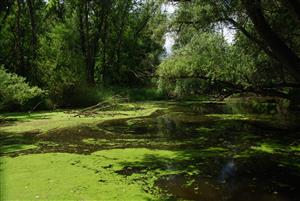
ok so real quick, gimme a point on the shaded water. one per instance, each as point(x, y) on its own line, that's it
point(233, 152)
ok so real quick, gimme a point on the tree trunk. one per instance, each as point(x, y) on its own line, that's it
point(120, 36)
point(283, 53)
point(81, 29)
point(104, 70)
point(30, 4)
point(20, 64)
point(88, 58)
point(33, 48)
point(251, 37)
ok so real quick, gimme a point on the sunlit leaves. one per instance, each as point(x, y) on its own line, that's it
point(209, 57)
point(15, 90)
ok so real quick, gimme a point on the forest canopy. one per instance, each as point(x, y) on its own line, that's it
point(262, 56)
point(71, 52)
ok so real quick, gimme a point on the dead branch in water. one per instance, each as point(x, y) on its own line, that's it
point(101, 106)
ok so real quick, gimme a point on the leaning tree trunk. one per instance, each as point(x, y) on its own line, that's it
point(283, 53)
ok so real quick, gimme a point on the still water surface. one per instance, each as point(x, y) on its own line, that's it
point(238, 151)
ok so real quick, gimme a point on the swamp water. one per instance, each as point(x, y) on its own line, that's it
point(190, 151)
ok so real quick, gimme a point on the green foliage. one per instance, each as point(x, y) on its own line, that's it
point(60, 64)
point(15, 92)
point(70, 47)
point(206, 62)
point(264, 69)
point(141, 94)
point(134, 44)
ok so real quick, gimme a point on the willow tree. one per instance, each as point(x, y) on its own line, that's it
point(273, 26)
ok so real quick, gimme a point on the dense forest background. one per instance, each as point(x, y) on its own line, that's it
point(75, 53)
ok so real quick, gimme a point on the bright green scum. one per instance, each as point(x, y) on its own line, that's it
point(56, 155)
point(17, 124)
point(45, 121)
point(59, 176)
point(72, 177)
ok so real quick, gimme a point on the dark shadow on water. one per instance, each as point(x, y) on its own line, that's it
point(213, 177)
point(12, 144)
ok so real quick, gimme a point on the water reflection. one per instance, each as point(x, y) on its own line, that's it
point(228, 172)
point(232, 184)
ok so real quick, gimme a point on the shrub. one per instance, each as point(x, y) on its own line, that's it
point(15, 93)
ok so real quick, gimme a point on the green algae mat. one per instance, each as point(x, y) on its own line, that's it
point(59, 176)
point(153, 151)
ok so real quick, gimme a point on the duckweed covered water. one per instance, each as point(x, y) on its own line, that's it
point(237, 151)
